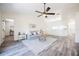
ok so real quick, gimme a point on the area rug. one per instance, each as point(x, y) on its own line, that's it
point(37, 46)
point(17, 49)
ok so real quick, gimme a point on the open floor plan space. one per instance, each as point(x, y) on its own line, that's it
point(39, 29)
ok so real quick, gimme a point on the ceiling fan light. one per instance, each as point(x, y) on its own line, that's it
point(44, 15)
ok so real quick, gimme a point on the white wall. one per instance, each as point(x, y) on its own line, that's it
point(22, 24)
point(7, 28)
point(71, 26)
point(69, 20)
point(77, 27)
point(55, 26)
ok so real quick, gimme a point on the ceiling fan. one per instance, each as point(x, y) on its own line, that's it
point(45, 12)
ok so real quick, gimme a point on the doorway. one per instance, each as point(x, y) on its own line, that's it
point(9, 27)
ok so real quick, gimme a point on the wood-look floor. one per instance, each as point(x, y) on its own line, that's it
point(64, 46)
point(8, 41)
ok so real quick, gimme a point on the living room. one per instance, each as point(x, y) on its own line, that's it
point(38, 33)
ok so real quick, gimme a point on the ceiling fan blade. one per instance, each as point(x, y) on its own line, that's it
point(39, 15)
point(38, 11)
point(50, 13)
point(44, 6)
point(48, 8)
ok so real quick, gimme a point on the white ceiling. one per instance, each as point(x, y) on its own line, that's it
point(30, 8)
